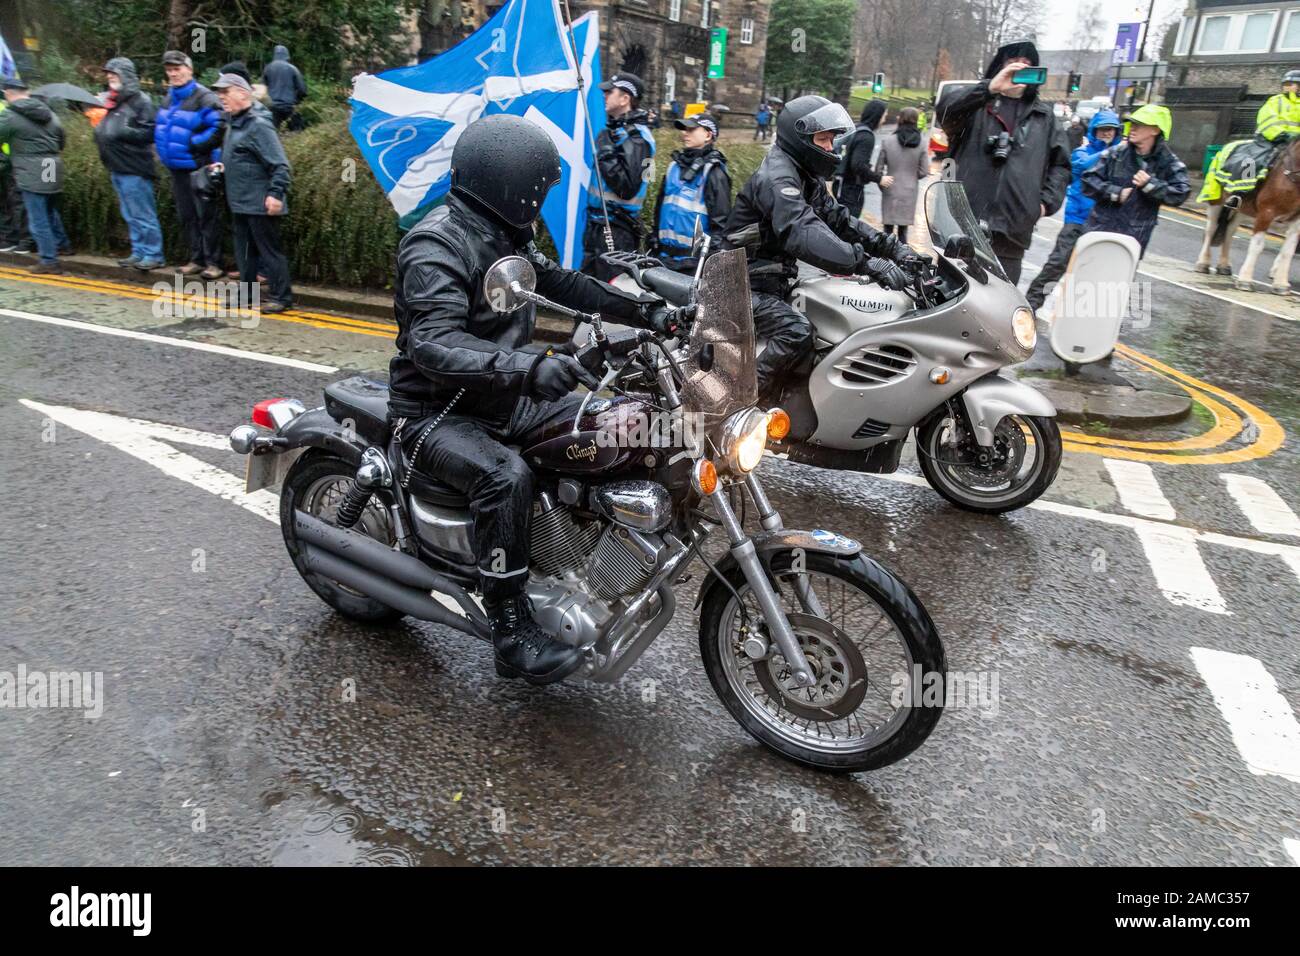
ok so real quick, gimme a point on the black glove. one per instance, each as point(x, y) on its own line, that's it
point(887, 273)
point(665, 320)
point(911, 261)
point(555, 376)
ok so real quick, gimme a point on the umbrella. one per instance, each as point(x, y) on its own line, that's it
point(66, 91)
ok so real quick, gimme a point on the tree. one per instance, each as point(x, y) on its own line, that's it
point(809, 46)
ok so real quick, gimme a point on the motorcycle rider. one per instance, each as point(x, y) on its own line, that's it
point(465, 383)
point(625, 152)
point(696, 188)
point(785, 214)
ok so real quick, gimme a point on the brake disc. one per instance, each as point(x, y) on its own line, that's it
point(836, 663)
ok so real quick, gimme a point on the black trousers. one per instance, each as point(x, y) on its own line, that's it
point(902, 231)
point(789, 337)
point(13, 215)
point(1056, 264)
point(257, 246)
point(472, 457)
point(593, 246)
point(200, 218)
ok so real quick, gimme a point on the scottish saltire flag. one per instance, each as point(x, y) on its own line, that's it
point(407, 120)
point(8, 68)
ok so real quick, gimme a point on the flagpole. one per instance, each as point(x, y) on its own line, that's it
point(591, 136)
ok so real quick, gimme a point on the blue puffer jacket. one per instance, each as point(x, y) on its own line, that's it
point(1077, 205)
point(187, 132)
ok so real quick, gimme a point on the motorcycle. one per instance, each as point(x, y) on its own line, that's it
point(925, 359)
point(812, 646)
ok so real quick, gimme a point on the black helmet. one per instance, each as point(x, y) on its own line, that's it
point(506, 165)
point(803, 117)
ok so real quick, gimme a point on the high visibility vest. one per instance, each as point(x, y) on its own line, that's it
point(683, 205)
point(1279, 114)
point(631, 206)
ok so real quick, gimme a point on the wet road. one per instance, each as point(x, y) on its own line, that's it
point(225, 736)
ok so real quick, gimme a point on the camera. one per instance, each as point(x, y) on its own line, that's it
point(999, 144)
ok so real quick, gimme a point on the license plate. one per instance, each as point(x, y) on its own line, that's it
point(267, 471)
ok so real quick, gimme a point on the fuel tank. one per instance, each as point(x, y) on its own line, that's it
point(838, 306)
point(614, 435)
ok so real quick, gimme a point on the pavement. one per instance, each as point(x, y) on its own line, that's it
point(1136, 626)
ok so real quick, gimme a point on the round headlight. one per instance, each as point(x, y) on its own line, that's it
point(744, 439)
point(1024, 328)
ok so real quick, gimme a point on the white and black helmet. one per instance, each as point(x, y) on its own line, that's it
point(506, 164)
point(802, 119)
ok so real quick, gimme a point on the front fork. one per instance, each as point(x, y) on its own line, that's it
point(746, 555)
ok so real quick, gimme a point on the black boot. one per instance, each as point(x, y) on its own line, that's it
point(523, 649)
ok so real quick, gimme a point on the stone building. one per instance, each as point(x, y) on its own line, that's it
point(1227, 59)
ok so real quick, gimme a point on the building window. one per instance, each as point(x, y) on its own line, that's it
point(1237, 33)
point(747, 30)
point(1290, 39)
point(674, 10)
point(704, 13)
point(1186, 27)
point(670, 85)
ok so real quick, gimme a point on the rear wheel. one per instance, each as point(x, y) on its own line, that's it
point(867, 640)
point(316, 485)
point(1021, 465)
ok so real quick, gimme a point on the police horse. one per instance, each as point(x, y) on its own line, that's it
point(1276, 201)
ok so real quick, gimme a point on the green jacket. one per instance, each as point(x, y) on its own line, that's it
point(35, 139)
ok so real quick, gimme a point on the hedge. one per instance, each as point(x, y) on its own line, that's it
point(340, 229)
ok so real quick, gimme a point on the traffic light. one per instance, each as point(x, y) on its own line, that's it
point(878, 83)
point(1076, 80)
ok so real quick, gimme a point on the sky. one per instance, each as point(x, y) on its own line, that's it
point(1058, 34)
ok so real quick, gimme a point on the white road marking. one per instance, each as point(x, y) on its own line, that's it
point(1261, 721)
point(167, 340)
point(140, 440)
point(1292, 847)
point(1179, 571)
point(1263, 506)
point(1138, 490)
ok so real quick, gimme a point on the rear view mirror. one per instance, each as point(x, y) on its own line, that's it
point(504, 282)
point(958, 246)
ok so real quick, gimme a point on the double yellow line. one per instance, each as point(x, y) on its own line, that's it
point(319, 320)
point(1227, 409)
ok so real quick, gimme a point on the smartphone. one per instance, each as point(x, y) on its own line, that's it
point(1030, 76)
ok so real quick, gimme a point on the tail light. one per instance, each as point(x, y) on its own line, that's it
point(275, 413)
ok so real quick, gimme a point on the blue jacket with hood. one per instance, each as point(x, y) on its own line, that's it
point(1077, 205)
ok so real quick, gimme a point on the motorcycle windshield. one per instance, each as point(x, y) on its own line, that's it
point(719, 362)
point(948, 214)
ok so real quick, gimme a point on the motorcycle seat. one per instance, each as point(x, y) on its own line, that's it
point(362, 401)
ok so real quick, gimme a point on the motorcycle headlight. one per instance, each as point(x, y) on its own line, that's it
point(1024, 328)
point(744, 437)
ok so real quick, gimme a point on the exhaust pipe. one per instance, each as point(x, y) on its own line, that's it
point(396, 573)
point(407, 600)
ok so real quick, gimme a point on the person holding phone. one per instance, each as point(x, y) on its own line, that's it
point(1009, 151)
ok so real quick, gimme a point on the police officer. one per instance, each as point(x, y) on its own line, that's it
point(625, 152)
point(785, 215)
point(466, 383)
point(1278, 120)
point(697, 188)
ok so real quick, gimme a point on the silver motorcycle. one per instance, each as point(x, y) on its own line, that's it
point(924, 360)
point(816, 649)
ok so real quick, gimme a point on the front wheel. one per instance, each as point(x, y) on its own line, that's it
point(870, 645)
point(1021, 465)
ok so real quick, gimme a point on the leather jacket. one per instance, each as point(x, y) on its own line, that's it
point(785, 215)
point(449, 338)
